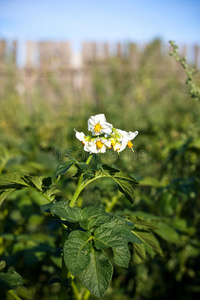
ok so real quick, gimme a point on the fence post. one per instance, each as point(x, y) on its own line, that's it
point(119, 50)
point(2, 52)
point(14, 52)
point(196, 56)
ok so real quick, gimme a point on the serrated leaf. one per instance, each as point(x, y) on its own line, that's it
point(9, 183)
point(64, 211)
point(64, 167)
point(12, 181)
point(10, 280)
point(34, 181)
point(77, 251)
point(98, 274)
point(106, 238)
point(139, 253)
point(149, 239)
point(16, 181)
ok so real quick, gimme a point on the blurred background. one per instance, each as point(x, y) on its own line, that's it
point(63, 61)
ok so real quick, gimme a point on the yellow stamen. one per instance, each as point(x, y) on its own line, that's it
point(130, 145)
point(99, 144)
point(97, 128)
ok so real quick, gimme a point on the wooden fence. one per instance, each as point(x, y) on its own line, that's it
point(46, 57)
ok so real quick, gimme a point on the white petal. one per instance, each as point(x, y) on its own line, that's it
point(107, 143)
point(117, 147)
point(100, 118)
point(92, 147)
point(80, 136)
point(132, 135)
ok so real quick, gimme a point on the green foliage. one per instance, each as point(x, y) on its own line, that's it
point(93, 232)
point(194, 89)
point(17, 181)
point(10, 280)
point(37, 134)
point(11, 283)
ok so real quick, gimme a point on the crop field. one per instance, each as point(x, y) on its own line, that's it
point(37, 135)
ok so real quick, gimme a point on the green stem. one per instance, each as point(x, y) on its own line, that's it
point(79, 185)
point(87, 295)
point(12, 293)
point(65, 275)
point(75, 290)
point(111, 204)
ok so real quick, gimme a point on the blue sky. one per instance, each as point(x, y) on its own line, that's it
point(101, 20)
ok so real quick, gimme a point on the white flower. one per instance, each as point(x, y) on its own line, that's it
point(98, 145)
point(121, 139)
point(97, 125)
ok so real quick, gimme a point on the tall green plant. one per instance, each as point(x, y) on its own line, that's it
point(93, 238)
point(194, 88)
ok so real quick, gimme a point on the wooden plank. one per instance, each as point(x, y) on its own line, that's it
point(196, 56)
point(2, 52)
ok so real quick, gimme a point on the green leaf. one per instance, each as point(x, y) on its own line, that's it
point(98, 274)
point(123, 228)
point(10, 280)
point(91, 223)
point(85, 170)
point(150, 181)
point(4, 194)
point(139, 253)
point(16, 181)
point(168, 233)
point(106, 238)
point(77, 251)
point(126, 188)
point(94, 216)
point(149, 239)
point(124, 181)
point(2, 265)
point(64, 167)
point(34, 181)
point(93, 211)
point(141, 223)
point(64, 211)
point(125, 176)
point(23, 293)
point(13, 180)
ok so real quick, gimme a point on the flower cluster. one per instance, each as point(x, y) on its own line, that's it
point(105, 136)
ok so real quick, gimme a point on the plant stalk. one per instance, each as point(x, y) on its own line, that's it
point(79, 186)
point(10, 292)
point(65, 274)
